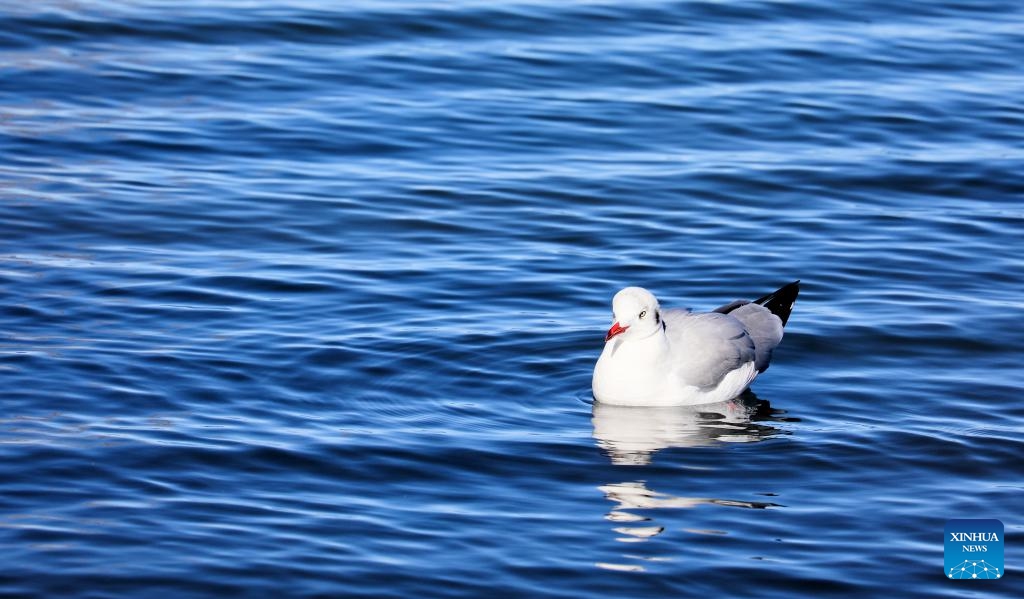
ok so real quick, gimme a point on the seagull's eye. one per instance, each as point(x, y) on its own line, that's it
point(644, 313)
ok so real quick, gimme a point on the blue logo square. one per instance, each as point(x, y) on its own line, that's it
point(973, 549)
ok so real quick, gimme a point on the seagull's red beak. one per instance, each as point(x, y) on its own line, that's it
point(615, 330)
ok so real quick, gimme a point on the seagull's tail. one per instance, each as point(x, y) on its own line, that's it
point(780, 302)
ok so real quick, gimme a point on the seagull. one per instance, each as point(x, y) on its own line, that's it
point(658, 357)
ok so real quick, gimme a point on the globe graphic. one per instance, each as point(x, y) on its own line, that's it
point(974, 568)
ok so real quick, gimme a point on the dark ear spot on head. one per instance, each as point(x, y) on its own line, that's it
point(657, 317)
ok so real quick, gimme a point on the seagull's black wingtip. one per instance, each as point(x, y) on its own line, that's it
point(780, 302)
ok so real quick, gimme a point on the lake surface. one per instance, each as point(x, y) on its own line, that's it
point(305, 300)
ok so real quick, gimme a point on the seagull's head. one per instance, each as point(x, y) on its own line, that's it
point(635, 314)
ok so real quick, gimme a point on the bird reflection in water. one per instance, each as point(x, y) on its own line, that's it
point(631, 436)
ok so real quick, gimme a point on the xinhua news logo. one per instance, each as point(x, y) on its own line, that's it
point(974, 549)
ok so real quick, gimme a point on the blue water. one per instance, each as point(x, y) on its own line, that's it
point(303, 298)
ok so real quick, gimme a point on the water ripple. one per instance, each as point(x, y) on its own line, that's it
point(305, 299)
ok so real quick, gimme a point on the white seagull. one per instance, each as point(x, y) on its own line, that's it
point(656, 357)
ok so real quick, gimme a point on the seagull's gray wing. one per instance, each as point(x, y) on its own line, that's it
point(764, 328)
point(764, 319)
point(710, 345)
